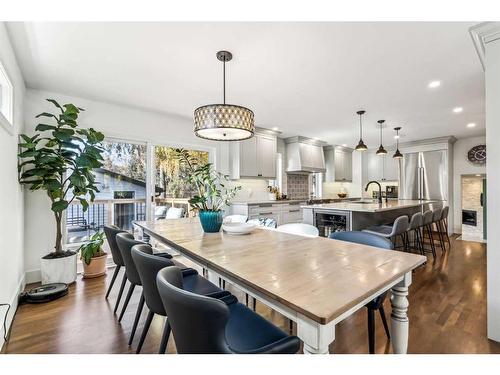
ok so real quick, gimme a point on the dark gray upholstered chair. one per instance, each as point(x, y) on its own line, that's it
point(377, 304)
point(205, 325)
point(148, 265)
point(391, 232)
point(444, 223)
point(414, 229)
point(427, 229)
point(111, 231)
point(436, 220)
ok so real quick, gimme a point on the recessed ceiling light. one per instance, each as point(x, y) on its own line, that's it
point(471, 125)
point(478, 175)
point(434, 84)
point(458, 109)
point(276, 128)
point(396, 137)
point(344, 144)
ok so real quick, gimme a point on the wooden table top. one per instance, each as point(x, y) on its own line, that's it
point(318, 277)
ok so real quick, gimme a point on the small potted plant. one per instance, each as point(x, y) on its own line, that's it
point(93, 256)
point(212, 194)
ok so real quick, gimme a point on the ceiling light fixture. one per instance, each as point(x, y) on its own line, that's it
point(224, 122)
point(434, 84)
point(275, 128)
point(397, 154)
point(471, 125)
point(458, 109)
point(361, 145)
point(381, 150)
point(344, 145)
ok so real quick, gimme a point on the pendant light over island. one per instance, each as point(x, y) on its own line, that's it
point(361, 145)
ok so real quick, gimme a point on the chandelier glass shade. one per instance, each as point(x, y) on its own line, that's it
point(224, 122)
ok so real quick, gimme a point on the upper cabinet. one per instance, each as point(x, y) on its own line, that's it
point(338, 164)
point(380, 168)
point(254, 157)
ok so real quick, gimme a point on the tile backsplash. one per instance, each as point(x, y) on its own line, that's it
point(298, 186)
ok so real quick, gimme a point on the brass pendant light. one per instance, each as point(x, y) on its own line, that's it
point(224, 122)
point(381, 150)
point(397, 154)
point(361, 145)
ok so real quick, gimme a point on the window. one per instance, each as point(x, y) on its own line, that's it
point(122, 196)
point(6, 100)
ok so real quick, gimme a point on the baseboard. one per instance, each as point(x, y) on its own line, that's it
point(12, 311)
point(33, 276)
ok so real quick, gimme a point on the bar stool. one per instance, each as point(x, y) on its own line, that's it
point(436, 219)
point(426, 228)
point(399, 228)
point(416, 223)
point(444, 223)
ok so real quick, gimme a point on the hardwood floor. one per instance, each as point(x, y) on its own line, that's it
point(447, 315)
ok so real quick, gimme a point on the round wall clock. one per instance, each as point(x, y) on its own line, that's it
point(477, 154)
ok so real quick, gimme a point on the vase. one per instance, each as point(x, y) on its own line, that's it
point(211, 221)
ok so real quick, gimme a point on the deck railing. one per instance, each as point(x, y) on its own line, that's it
point(81, 225)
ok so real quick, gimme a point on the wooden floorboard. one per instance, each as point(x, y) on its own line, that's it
point(447, 315)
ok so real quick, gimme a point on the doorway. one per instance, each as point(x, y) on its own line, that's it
point(473, 207)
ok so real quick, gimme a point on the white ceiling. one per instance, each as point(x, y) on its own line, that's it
point(304, 78)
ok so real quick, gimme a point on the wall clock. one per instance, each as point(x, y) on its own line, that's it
point(477, 154)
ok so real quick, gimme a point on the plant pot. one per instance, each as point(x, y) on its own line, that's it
point(211, 221)
point(59, 270)
point(96, 268)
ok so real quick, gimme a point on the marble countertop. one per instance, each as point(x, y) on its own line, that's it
point(369, 207)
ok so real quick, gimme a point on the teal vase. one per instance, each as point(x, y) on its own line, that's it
point(211, 221)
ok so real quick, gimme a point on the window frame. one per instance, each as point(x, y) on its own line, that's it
point(7, 104)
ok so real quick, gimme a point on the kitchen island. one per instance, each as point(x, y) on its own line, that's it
point(358, 215)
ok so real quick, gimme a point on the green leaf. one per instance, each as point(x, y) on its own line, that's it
point(84, 203)
point(59, 206)
point(61, 135)
point(46, 114)
point(28, 154)
point(44, 127)
point(77, 180)
point(55, 103)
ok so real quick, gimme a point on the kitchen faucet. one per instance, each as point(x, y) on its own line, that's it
point(379, 191)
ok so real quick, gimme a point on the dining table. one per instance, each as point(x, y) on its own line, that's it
point(315, 282)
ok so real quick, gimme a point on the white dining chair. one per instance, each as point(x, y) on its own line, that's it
point(235, 219)
point(299, 229)
point(174, 213)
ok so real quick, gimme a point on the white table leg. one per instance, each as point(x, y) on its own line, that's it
point(315, 337)
point(399, 317)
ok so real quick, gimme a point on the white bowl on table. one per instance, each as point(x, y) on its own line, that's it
point(238, 228)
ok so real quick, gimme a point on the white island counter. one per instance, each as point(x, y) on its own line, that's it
point(359, 215)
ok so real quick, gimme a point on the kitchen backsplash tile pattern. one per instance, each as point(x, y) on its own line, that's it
point(298, 186)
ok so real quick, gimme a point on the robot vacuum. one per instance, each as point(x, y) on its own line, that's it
point(44, 293)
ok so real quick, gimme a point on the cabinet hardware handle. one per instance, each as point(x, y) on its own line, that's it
point(259, 175)
point(265, 213)
point(294, 211)
point(266, 205)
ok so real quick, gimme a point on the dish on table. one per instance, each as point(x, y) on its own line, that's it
point(238, 228)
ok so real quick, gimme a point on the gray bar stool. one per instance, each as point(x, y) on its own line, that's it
point(436, 219)
point(399, 228)
point(426, 228)
point(416, 223)
point(444, 223)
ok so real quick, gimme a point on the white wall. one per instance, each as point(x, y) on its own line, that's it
point(493, 185)
point(114, 121)
point(11, 195)
point(463, 166)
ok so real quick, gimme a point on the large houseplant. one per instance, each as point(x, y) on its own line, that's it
point(212, 193)
point(59, 159)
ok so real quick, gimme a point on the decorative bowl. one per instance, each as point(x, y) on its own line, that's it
point(238, 228)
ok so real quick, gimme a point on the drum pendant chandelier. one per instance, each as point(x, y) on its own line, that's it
point(224, 122)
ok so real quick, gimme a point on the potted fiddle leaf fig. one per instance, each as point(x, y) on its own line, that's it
point(93, 256)
point(212, 194)
point(59, 159)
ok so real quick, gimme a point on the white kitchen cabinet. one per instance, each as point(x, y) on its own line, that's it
point(343, 165)
point(254, 157)
point(284, 212)
point(380, 168)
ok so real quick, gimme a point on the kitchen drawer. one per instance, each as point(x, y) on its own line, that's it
point(265, 207)
point(291, 216)
point(292, 205)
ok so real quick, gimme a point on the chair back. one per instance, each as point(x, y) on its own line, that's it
point(363, 238)
point(160, 212)
point(111, 231)
point(125, 243)
point(299, 229)
point(427, 217)
point(444, 213)
point(148, 266)
point(174, 213)
point(266, 222)
point(198, 322)
point(400, 225)
point(235, 219)
point(436, 214)
point(416, 221)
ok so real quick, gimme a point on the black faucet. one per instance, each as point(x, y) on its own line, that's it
point(379, 191)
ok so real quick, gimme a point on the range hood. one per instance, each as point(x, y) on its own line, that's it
point(304, 155)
